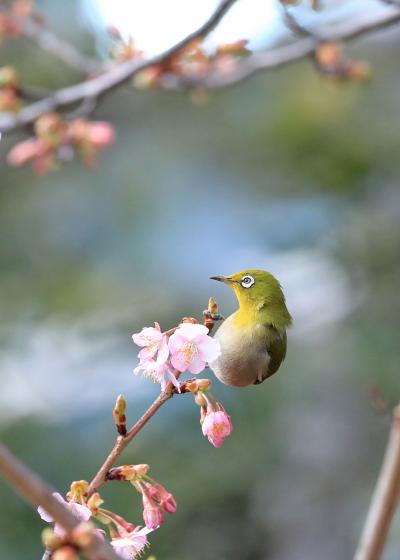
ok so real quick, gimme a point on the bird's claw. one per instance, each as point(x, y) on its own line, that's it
point(212, 316)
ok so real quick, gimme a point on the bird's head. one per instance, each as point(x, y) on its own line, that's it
point(258, 291)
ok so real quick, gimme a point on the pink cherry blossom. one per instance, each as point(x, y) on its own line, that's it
point(157, 371)
point(191, 347)
point(152, 340)
point(216, 425)
point(81, 512)
point(130, 545)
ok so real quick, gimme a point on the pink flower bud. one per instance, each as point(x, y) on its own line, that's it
point(159, 494)
point(152, 516)
point(168, 503)
point(65, 553)
point(25, 151)
point(216, 426)
point(100, 134)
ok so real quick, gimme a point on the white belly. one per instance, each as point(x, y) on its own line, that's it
point(244, 357)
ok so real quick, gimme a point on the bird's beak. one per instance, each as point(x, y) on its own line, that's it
point(225, 279)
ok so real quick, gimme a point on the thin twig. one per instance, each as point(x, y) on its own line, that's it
point(107, 81)
point(123, 441)
point(56, 46)
point(288, 54)
point(385, 498)
point(34, 491)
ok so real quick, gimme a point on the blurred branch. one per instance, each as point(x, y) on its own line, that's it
point(56, 46)
point(86, 94)
point(107, 81)
point(385, 498)
point(293, 52)
point(36, 492)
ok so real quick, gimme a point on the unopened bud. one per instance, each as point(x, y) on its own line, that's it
point(196, 385)
point(212, 306)
point(8, 77)
point(127, 472)
point(148, 78)
point(119, 415)
point(50, 540)
point(83, 534)
point(65, 553)
point(359, 71)
point(50, 127)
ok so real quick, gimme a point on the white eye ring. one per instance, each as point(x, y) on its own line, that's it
point(247, 281)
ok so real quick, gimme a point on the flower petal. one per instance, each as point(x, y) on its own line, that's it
point(209, 348)
point(175, 342)
point(163, 351)
point(189, 330)
point(197, 364)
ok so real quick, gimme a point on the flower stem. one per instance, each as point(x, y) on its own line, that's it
point(123, 441)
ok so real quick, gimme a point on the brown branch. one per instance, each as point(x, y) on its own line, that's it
point(123, 441)
point(385, 498)
point(210, 318)
point(287, 54)
point(92, 89)
point(36, 492)
point(107, 81)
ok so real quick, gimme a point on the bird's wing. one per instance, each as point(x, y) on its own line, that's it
point(277, 352)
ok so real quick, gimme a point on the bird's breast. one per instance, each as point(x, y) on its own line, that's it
point(244, 357)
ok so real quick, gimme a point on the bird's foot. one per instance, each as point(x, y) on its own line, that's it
point(213, 316)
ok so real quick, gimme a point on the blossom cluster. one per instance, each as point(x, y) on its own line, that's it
point(194, 62)
point(12, 18)
point(163, 357)
point(9, 96)
point(331, 62)
point(56, 141)
point(188, 348)
point(127, 539)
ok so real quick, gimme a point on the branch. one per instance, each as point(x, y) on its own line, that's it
point(107, 81)
point(384, 500)
point(34, 491)
point(56, 46)
point(210, 317)
point(289, 53)
point(123, 441)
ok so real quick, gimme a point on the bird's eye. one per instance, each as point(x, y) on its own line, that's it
point(247, 281)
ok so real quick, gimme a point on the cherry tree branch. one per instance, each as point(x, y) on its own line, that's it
point(385, 498)
point(123, 441)
point(89, 91)
point(34, 491)
point(109, 80)
point(280, 56)
point(210, 317)
point(51, 43)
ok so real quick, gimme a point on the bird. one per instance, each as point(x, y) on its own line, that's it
point(253, 339)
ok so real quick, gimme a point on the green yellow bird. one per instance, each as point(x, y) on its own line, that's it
point(253, 339)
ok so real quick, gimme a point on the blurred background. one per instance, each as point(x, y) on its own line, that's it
point(289, 172)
